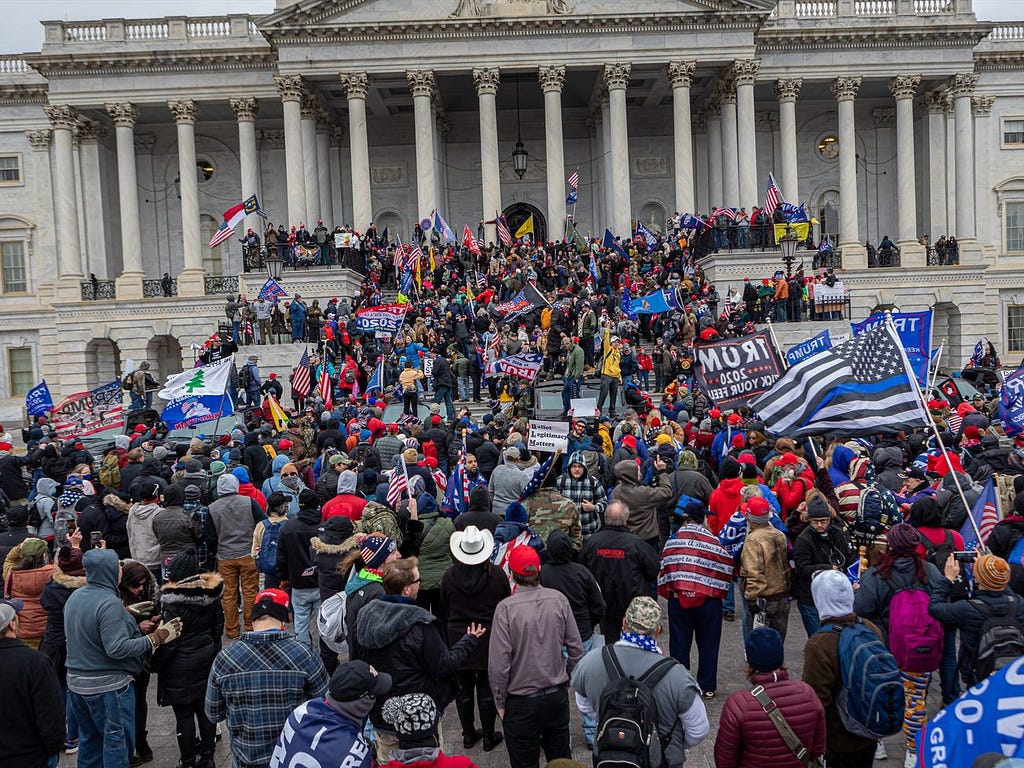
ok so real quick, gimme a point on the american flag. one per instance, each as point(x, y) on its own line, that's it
point(481, 280)
point(985, 515)
point(326, 389)
point(465, 475)
point(221, 235)
point(729, 213)
point(397, 485)
point(300, 377)
point(773, 196)
point(574, 180)
point(503, 234)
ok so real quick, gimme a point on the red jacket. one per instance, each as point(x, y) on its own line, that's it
point(792, 493)
point(724, 501)
point(347, 504)
point(254, 493)
point(748, 739)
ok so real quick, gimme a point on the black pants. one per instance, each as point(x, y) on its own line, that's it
point(611, 625)
point(411, 403)
point(328, 657)
point(532, 723)
point(475, 681)
point(185, 718)
point(141, 709)
point(430, 600)
point(863, 758)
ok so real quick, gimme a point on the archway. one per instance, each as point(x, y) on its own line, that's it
point(164, 355)
point(653, 216)
point(828, 215)
point(517, 214)
point(394, 224)
point(102, 362)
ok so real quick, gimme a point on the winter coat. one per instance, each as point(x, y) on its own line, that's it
point(294, 556)
point(623, 564)
point(27, 586)
point(401, 638)
point(327, 559)
point(747, 738)
point(643, 501)
point(32, 709)
point(872, 599)
point(361, 590)
point(1005, 535)
point(481, 518)
point(441, 761)
point(506, 485)
point(764, 563)
point(109, 516)
point(574, 581)
point(183, 665)
point(814, 552)
point(176, 531)
point(470, 593)
point(725, 500)
point(144, 545)
point(55, 594)
point(435, 557)
point(888, 466)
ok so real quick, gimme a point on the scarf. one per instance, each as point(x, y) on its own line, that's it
point(70, 497)
point(371, 574)
point(646, 642)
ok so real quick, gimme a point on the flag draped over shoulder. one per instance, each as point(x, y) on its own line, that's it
point(858, 387)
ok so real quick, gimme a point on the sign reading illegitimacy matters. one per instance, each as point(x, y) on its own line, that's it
point(805, 349)
point(86, 413)
point(386, 317)
point(1011, 403)
point(915, 332)
point(733, 371)
point(549, 436)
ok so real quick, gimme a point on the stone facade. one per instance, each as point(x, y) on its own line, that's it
point(899, 117)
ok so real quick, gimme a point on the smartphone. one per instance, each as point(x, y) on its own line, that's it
point(95, 537)
point(965, 557)
point(72, 526)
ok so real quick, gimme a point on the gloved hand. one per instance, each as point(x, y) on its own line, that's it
point(166, 632)
point(142, 610)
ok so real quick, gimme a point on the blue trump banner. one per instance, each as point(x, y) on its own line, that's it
point(915, 332)
point(195, 409)
point(651, 304)
point(272, 290)
point(812, 346)
point(38, 400)
point(1011, 403)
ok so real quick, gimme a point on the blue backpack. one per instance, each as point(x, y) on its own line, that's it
point(1017, 552)
point(871, 703)
point(266, 558)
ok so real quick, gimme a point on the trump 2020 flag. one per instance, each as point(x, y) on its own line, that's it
point(1011, 403)
point(525, 365)
point(272, 290)
point(812, 346)
point(204, 380)
point(386, 317)
point(190, 410)
point(915, 332)
point(38, 400)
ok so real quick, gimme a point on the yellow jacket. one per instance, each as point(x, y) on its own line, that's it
point(610, 357)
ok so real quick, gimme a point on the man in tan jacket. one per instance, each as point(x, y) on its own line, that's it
point(764, 569)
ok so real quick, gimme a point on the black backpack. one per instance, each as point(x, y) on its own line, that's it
point(245, 376)
point(937, 555)
point(1000, 639)
point(872, 515)
point(628, 721)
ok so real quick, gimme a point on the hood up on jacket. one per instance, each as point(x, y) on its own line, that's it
point(559, 547)
point(144, 511)
point(888, 459)
point(426, 505)
point(279, 461)
point(101, 568)
point(627, 472)
point(347, 482)
point(841, 458)
point(116, 502)
point(386, 621)
point(46, 486)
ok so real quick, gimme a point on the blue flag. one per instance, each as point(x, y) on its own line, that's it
point(405, 285)
point(573, 198)
point(649, 238)
point(593, 270)
point(979, 351)
point(38, 400)
point(627, 308)
point(1011, 403)
point(442, 228)
point(672, 298)
point(272, 290)
point(377, 379)
point(609, 242)
point(794, 213)
point(812, 346)
point(915, 332)
point(190, 410)
point(689, 221)
point(651, 304)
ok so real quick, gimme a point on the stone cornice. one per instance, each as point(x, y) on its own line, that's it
point(779, 39)
point(147, 62)
point(21, 93)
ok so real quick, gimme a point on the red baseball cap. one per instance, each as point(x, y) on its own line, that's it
point(272, 602)
point(524, 560)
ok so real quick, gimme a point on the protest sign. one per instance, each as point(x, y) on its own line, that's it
point(549, 436)
point(583, 407)
point(733, 371)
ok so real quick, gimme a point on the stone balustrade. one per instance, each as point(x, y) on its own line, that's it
point(824, 9)
point(64, 34)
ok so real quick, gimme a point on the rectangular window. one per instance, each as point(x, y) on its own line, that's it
point(1015, 227)
point(1013, 132)
point(19, 362)
point(10, 170)
point(12, 266)
point(1015, 328)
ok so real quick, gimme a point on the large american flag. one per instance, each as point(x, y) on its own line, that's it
point(773, 196)
point(503, 234)
point(397, 485)
point(301, 384)
point(326, 389)
point(984, 514)
point(574, 180)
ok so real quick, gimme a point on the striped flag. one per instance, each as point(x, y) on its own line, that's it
point(985, 514)
point(574, 180)
point(729, 213)
point(465, 475)
point(861, 386)
point(481, 280)
point(773, 196)
point(301, 384)
point(503, 234)
point(397, 485)
point(325, 386)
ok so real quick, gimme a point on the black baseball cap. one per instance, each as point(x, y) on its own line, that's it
point(356, 679)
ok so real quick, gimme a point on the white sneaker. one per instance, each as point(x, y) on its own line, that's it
point(910, 760)
point(880, 753)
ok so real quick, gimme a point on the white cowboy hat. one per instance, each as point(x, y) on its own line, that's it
point(471, 546)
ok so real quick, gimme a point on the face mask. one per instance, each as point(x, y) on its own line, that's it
point(291, 482)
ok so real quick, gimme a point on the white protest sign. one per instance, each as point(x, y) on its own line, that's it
point(549, 436)
point(428, 367)
point(840, 338)
point(584, 407)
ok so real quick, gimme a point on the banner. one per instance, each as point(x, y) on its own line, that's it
point(190, 410)
point(805, 349)
point(204, 380)
point(734, 371)
point(915, 332)
point(525, 365)
point(1011, 403)
point(824, 294)
point(523, 302)
point(387, 317)
point(306, 251)
point(86, 413)
point(799, 229)
point(272, 290)
point(548, 436)
point(343, 240)
point(38, 400)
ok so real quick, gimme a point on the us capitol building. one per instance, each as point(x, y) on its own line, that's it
point(122, 142)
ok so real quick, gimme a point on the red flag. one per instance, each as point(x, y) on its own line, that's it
point(469, 241)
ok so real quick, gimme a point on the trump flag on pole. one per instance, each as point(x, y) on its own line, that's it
point(387, 317)
point(38, 400)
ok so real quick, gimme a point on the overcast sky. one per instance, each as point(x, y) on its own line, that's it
point(21, 31)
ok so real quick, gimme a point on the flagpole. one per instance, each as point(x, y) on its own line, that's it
point(934, 372)
point(775, 341)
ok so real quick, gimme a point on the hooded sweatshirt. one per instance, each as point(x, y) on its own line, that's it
point(294, 555)
point(105, 648)
point(46, 504)
point(574, 581)
point(724, 502)
point(839, 471)
point(142, 539)
point(234, 518)
point(435, 556)
point(246, 488)
point(346, 502)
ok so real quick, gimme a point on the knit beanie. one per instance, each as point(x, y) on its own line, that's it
point(764, 650)
point(217, 468)
point(376, 549)
point(730, 468)
point(410, 714)
point(833, 594)
point(903, 538)
point(818, 508)
point(183, 566)
point(516, 513)
point(688, 460)
point(991, 573)
point(70, 561)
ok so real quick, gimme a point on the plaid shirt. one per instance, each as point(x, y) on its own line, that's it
point(255, 684)
point(589, 489)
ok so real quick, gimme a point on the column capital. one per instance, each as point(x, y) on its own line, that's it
point(744, 71)
point(551, 78)
point(90, 132)
point(337, 135)
point(700, 122)
point(123, 113)
point(421, 81)
point(270, 138)
point(787, 89)
point(485, 80)
point(324, 120)
point(962, 84)
point(61, 116)
point(308, 106)
point(713, 108)
point(982, 105)
point(904, 86)
point(726, 91)
point(290, 87)
point(356, 84)
point(680, 73)
point(40, 140)
point(616, 76)
point(185, 111)
point(934, 102)
point(845, 88)
point(245, 108)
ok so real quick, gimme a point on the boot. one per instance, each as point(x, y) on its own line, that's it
point(190, 763)
point(205, 760)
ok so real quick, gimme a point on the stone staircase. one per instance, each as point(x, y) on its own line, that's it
point(790, 334)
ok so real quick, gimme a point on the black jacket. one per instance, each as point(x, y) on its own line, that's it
point(442, 373)
point(813, 552)
point(623, 564)
point(129, 472)
point(470, 593)
point(481, 518)
point(32, 707)
point(487, 458)
point(184, 664)
point(11, 481)
point(11, 538)
point(327, 485)
point(399, 637)
point(294, 557)
point(574, 581)
point(327, 558)
point(257, 461)
point(110, 518)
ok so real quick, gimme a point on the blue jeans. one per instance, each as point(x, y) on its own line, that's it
point(570, 389)
point(809, 616)
point(443, 394)
point(703, 624)
point(589, 723)
point(305, 604)
point(106, 727)
point(948, 670)
point(463, 387)
point(137, 402)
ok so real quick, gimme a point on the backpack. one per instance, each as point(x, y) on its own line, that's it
point(110, 471)
point(245, 376)
point(937, 555)
point(872, 513)
point(1017, 553)
point(915, 638)
point(350, 377)
point(126, 382)
point(871, 703)
point(266, 558)
point(377, 518)
point(330, 621)
point(628, 722)
point(1000, 639)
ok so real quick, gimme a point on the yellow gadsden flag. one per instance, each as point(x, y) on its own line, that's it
point(275, 412)
point(526, 228)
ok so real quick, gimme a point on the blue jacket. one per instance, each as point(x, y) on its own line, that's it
point(318, 723)
point(102, 637)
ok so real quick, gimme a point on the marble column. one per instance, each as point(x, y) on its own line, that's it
point(744, 74)
point(787, 91)
point(854, 255)
point(291, 89)
point(39, 164)
point(700, 154)
point(190, 281)
point(323, 167)
point(606, 165)
point(245, 109)
point(935, 106)
point(904, 89)
point(616, 78)
point(421, 82)
point(356, 84)
point(961, 89)
point(93, 203)
point(311, 175)
point(63, 120)
point(680, 74)
point(129, 283)
point(950, 168)
point(730, 162)
point(486, 81)
point(715, 188)
point(551, 81)
point(982, 108)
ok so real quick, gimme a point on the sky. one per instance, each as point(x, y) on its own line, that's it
point(21, 31)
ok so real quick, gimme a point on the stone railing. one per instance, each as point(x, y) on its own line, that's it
point(1007, 33)
point(824, 9)
point(96, 33)
point(13, 65)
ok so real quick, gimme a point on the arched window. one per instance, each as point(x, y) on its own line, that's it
point(213, 261)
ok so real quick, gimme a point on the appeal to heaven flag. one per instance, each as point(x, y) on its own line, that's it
point(858, 387)
point(204, 380)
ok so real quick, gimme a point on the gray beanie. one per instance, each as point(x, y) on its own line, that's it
point(227, 484)
point(833, 594)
